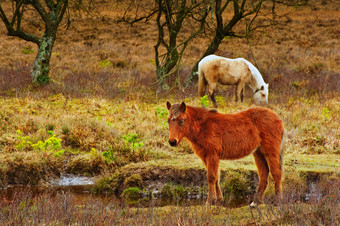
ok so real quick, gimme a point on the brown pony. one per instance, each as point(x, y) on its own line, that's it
point(214, 136)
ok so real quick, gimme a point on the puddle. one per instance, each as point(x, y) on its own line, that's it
point(72, 180)
point(313, 193)
point(81, 187)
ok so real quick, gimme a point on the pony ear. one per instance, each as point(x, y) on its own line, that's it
point(168, 105)
point(182, 107)
point(267, 85)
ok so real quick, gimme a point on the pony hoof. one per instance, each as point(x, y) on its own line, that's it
point(211, 202)
point(277, 203)
point(220, 202)
point(253, 205)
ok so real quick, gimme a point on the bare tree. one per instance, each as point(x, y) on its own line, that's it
point(247, 10)
point(170, 17)
point(175, 12)
point(51, 12)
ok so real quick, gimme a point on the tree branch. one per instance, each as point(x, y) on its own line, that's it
point(50, 4)
point(294, 3)
point(160, 33)
point(62, 12)
point(41, 10)
point(225, 5)
point(25, 36)
point(5, 19)
point(10, 25)
point(146, 18)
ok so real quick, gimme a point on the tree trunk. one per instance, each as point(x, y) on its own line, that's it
point(221, 31)
point(212, 48)
point(41, 67)
point(51, 12)
point(165, 69)
point(170, 63)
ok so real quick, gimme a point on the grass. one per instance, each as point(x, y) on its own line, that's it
point(89, 129)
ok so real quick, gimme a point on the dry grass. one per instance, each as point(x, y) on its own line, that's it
point(300, 56)
point(89, 128)
point(65, 208)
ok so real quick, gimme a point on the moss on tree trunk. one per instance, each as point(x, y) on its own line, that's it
point(41, 67)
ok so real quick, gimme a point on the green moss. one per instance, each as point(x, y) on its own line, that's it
point(87, 164)
point(43, 79)
point(177, 192)
point(132, 195)
point(237, 186)
point(134, 180)
point(3, 174)
point(166, 192)
point(180, 192)
point(103, 185)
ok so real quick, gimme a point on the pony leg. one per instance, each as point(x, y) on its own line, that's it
point(219, 194)
point(202, 85)
point(212, 162)
point(242, 93)
point(212, 88)
point(239, 91)
point(276, 172)
point(212, 96)
point(263, 172)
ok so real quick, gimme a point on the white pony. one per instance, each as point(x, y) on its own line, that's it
point(214, 69)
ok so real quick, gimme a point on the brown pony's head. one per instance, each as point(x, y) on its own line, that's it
point(178, 127)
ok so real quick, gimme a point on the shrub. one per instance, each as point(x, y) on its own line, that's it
point(162, 113)
point(204, 101)
point(131, 138)
point(105, 63)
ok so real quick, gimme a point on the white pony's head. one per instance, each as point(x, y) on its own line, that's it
point(261, 95)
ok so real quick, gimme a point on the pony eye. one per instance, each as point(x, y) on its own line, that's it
point(263, 95)
point(181, 122)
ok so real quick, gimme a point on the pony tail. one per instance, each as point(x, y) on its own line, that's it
point(202, 84)
point(282, 147)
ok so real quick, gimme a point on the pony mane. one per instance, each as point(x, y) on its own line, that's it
point(200, 114)
point(175, 111)
point(255, 72)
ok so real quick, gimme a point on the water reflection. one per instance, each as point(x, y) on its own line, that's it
point(81, 189)
point(72, 180)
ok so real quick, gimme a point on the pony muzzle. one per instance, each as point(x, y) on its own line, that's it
point(173, 142)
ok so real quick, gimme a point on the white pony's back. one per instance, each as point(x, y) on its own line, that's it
point(255, 72)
